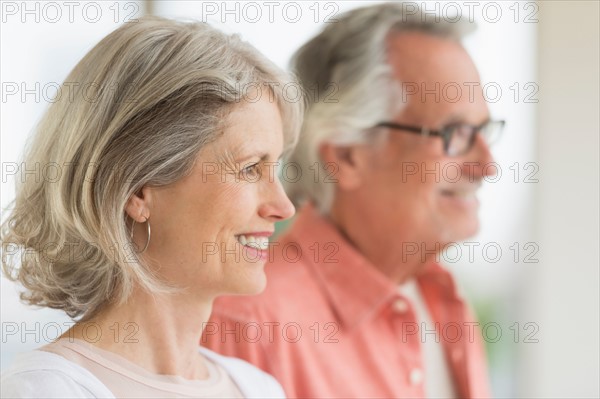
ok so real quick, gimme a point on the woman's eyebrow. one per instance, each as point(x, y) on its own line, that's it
point(262, 155)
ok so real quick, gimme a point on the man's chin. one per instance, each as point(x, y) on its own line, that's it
point(461, 232)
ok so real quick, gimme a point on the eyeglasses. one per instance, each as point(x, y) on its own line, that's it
point(458, 138)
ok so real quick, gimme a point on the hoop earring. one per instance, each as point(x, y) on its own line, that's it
point(149, 231)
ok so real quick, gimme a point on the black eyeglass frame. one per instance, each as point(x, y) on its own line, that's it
point(445, 133)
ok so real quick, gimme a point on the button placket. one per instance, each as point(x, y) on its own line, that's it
point(400, 306)
point(410, 353)
point(416, 376)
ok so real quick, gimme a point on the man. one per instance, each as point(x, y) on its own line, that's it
point(356, 304)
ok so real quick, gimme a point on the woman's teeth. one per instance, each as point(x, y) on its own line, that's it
point(254, 242)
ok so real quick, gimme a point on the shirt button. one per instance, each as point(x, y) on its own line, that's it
point(416, 376)
point(457, 355)
point(400, 306)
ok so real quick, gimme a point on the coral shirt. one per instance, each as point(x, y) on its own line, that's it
point(329, 324)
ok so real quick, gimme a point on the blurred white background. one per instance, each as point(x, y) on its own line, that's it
point(542, 212)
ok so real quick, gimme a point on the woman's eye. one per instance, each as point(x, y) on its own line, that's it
point(251, 172)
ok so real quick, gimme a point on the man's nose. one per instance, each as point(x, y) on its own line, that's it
point(479, 159)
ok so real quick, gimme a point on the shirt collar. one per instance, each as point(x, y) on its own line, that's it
point(354, 287)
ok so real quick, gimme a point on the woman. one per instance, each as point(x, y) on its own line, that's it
point(166, 200)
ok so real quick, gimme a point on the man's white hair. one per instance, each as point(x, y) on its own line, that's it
point(350, 88)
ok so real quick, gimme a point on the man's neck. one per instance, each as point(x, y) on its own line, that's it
point(395, 264)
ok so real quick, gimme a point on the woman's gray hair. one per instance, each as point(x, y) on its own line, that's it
point(350, 88)
point(143, 102)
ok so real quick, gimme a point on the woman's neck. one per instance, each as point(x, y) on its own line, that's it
point(159, 333)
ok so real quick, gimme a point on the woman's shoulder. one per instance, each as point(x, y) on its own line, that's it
point(39, 374)
point(252, 381)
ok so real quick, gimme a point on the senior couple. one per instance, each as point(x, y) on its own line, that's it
point(340, 319)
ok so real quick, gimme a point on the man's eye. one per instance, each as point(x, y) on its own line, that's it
point(464, 130)
point(250, 172)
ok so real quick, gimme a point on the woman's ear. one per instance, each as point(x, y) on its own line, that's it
point(346, 165)
point(138, 205)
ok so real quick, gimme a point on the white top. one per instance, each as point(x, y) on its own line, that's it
point(438, 381)
point(126, 379)
point(40, 374)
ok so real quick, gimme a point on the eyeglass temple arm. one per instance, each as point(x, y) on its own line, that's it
point(415, 129)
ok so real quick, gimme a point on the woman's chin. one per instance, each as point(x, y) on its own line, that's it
point(253, 285)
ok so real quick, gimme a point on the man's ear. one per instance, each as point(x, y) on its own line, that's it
point(138, 205)
point(347, 165)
